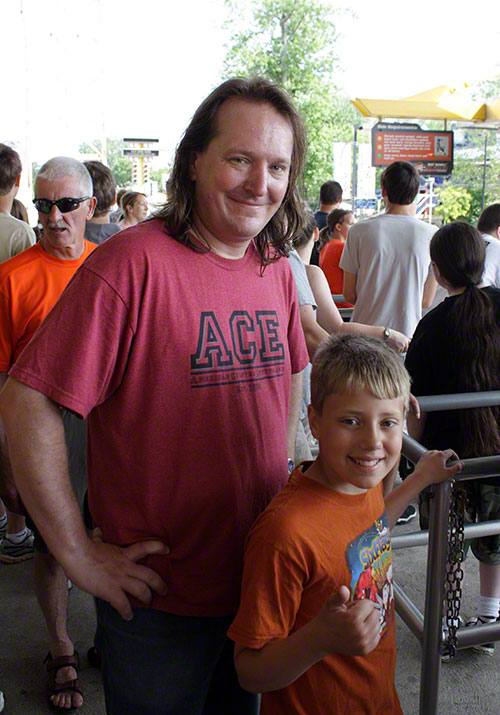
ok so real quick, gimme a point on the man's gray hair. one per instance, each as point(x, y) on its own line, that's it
point(61, 166)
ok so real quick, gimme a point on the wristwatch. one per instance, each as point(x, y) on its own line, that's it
point(387, 334)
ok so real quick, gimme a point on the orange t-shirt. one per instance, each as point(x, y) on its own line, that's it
point(30, 284)
point(308, 542)
point(329, 260)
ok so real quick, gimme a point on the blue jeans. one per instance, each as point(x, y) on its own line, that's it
point(162, 664)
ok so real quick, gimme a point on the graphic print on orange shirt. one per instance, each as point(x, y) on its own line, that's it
point(369, 558)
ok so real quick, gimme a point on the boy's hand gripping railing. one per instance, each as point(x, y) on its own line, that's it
point(428, 628)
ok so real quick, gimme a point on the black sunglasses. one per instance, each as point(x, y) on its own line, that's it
point(64, 205)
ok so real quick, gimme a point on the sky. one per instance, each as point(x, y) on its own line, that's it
point(392, 50)
point(85, 68)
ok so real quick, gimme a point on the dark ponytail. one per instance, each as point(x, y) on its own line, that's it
point(324, 237)
point(458, 250)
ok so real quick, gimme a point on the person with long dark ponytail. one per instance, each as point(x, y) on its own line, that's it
point(456, 348)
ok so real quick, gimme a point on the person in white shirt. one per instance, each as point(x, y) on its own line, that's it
point(489, 226)
point(386, 260)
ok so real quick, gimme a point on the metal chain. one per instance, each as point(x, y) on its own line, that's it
point(454, 571)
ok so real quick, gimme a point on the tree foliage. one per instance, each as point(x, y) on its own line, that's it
point(487, 89)
point(119, 164)
point(454, 202)
point(468, 171)
point(292, 42)
point(35, 168)
point(468, 174)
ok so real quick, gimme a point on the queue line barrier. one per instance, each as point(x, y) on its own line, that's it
point(427, 627)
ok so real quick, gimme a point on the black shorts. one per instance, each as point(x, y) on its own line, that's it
point(482, 504)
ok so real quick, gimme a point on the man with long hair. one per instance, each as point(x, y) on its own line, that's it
point(180, 339)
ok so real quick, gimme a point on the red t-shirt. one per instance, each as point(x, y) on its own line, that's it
point(182, 362)
point(329, 260)
point(310, 541)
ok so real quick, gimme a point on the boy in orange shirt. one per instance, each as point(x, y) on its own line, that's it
point(315, 629)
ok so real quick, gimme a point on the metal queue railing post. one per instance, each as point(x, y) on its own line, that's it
point(428, 627)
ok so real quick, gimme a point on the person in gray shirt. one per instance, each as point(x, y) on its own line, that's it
point(98, 229)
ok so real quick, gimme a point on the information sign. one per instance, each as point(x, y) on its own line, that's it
point(141, 147)
point(141, 152)
point(430, 151)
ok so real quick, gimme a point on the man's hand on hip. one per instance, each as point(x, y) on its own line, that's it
point(112, 574)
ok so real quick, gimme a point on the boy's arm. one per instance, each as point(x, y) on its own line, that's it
point(340, 627)
point(430, 469)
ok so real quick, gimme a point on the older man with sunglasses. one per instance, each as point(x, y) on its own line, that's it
point(30, 284)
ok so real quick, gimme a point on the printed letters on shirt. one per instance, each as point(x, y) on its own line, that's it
point(246, 350)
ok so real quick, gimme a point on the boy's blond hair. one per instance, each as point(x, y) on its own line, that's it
point(350, 363)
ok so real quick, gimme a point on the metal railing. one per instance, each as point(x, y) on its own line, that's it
point(427, 627)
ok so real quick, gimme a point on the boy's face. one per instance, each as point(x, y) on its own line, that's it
point(360, 440)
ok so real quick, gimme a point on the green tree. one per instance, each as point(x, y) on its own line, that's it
point(157, 175)
point(487, 89)
point(119, 164)
point(468, 171)
point(292, 42)
point(454, 202)
point(35, 168)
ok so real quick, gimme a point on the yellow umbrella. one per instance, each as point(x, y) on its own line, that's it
point(437, 103)
point(493, 111)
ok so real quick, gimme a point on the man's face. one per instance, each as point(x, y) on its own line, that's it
point(242, 176)
point(360, 439)
point(63, 232)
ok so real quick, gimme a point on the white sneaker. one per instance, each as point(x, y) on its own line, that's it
point(13, 553)
point(488, 648)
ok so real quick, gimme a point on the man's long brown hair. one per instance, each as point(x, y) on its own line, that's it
point(274, 240)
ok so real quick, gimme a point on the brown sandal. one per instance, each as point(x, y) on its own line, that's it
point(53, 688)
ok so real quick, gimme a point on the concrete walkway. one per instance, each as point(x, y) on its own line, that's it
point(470, 684)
